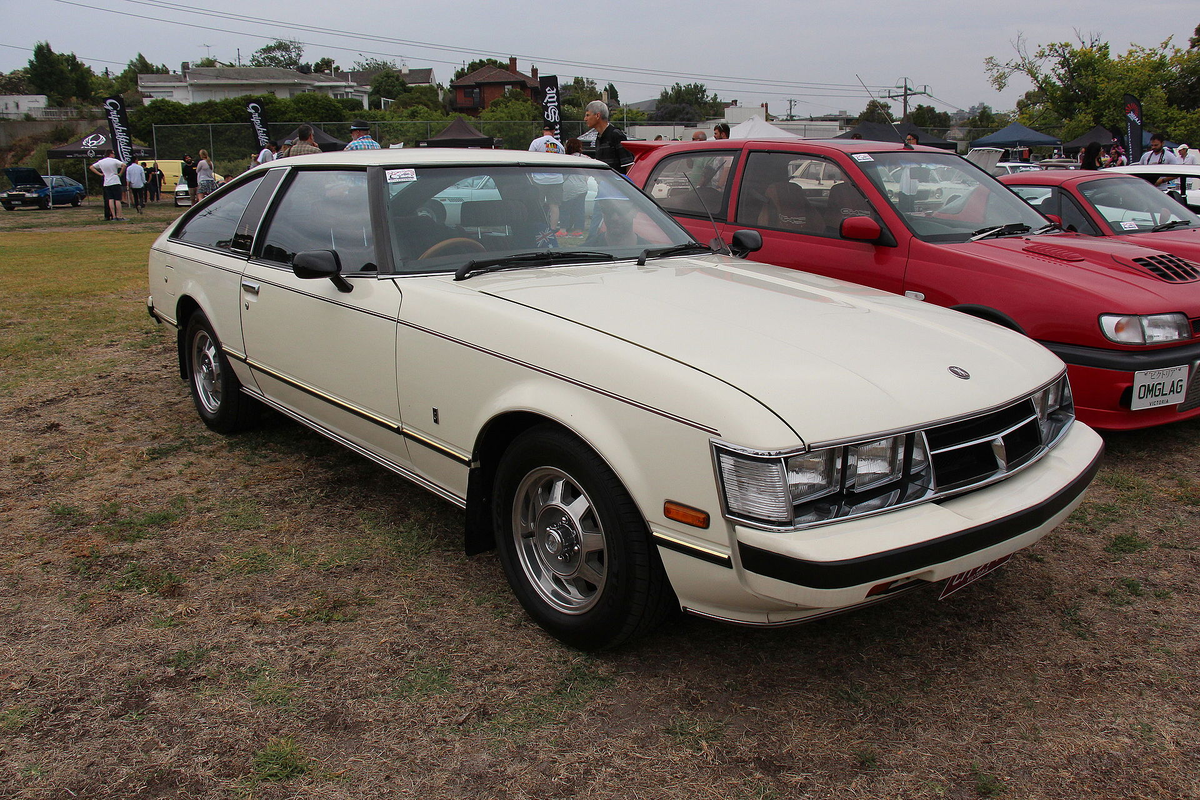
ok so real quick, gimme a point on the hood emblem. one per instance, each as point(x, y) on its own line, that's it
point(959, 372)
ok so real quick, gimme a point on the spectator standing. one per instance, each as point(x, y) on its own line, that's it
point(187, 173)
point(1186, 156)
point(699, 136)
point(110, 169)
point(608, 137)
point(360, 137)
point(1158, 154)
point(1090, 157)
point(1117, 157)
point(267, 154)
point(153, 182)
point(549, 183)
point(575, 188)
point(204, 175)
point(721, 130)
point(304, 145)
point(135, 175)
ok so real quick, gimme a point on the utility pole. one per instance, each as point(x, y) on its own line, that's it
point(207, 50)
point(791, 104)
point(239, 56)
point(906, 91)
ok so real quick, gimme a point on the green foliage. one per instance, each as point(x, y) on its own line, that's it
point(929, 117)
point(63, 78)
point(505, 115)
point(280, 760)
point(16, 82)
point(479, 64)
point(611, 89)
point(282, 53)
point(386, 84)
point(1078, 85)
point(876, 111)
point(140, 65)
point(372, 64)
point(312, 106)
point(324, 65)
point(687, 103)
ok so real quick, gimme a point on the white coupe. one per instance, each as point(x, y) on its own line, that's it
point(637, 422)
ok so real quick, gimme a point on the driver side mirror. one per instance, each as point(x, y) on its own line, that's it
point(321, 264)
point(746, 242)
point(1055, 218)
point(862, 229)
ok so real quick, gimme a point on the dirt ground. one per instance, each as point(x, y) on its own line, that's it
point(186, 615)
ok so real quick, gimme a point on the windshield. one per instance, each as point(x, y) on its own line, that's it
point(944, 198)
point(442, 218)
point(1135, 206)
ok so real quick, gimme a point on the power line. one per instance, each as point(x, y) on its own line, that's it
point(98, 60)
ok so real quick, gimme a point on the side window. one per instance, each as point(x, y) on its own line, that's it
point(801, 194)
point(692, 184)
point(1074, 218)
point(323, 210)
point(216, 223)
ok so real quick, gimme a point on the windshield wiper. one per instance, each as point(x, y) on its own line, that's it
point(673, 250)
point(999, 230)
point(530, 259)
point(1166, 226)
point(1052, 226)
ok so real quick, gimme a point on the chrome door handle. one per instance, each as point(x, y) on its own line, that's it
point(250, 287)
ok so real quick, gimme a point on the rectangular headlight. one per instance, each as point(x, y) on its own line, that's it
point(1146, 329)
point(755, 488)
point(874, 463)
point(815, 474)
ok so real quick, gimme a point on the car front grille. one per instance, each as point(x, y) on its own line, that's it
point(983, 447)
point(1172, 269)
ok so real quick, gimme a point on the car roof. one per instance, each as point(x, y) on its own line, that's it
point(1158, 169)
point(1060, 177)
point(433, 156)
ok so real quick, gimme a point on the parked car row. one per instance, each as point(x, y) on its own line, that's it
point(30, 188)
point(636, 422)
point(1123, 314)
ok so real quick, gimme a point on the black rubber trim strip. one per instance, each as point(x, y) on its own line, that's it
point(1124, 360)
point(694, 552)
point(878, 566)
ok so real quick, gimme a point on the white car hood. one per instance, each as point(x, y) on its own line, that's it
point(872, 361)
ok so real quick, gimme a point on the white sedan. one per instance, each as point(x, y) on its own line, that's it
point(1175, 175)
point(636, 423)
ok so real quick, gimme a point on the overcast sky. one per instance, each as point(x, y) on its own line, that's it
point(766, 51)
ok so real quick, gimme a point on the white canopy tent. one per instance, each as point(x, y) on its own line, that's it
point(758, 128)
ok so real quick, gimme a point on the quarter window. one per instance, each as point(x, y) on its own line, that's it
point(323, 210)
point(215, 224)
point(692, 184)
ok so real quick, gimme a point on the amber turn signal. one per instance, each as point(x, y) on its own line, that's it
point(685, 514)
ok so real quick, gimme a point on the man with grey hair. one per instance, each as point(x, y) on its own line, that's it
point(608, 138)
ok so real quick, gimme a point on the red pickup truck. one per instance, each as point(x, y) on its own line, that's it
point(933, 226)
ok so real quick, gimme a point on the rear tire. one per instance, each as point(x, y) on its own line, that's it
point(574, 546)
point(216, 390)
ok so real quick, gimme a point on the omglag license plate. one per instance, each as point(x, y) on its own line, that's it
point(962, 579)
point(1153, 388)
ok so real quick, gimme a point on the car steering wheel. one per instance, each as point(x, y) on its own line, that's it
point(459, 244)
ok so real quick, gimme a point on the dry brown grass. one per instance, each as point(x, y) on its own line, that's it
point(268, 616)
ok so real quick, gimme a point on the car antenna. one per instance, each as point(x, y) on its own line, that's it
point(891, 122)
point(721, 247)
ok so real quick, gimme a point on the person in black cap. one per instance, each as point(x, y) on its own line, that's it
point(360, 137)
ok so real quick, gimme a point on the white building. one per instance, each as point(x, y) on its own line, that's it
point(221, 83)
point(16, 106)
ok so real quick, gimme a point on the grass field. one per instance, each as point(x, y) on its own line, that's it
point(268, 616)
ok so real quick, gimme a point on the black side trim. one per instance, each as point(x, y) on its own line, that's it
point(694, 552)
point(1125, 360)
point(878, 566)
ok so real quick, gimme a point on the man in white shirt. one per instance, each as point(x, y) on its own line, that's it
point(267, 153)
point(1158, 154)
point(1186, 156)
point(551, 183)
point(110, 169)
point(135, 175)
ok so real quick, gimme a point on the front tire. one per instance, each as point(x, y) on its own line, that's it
point(574, 546)
point(216, 390)
point(44, 204)
point(75, 201)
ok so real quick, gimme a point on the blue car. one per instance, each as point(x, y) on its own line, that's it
point(42, 191)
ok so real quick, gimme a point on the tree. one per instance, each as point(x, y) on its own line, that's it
point(611, 89)
point(876, 111)
point(281, 53)
point(929, 117)
point(140, 65)
point(479, 64)
point(690, 103)
point(579, 92)
point(373, 65)
point(15, 82)
point(63, 78)
point(324, 65)
point(386, 84)
point(1077, 85)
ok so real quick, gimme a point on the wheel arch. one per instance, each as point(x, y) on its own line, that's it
point(184, 308)
point(991, 315)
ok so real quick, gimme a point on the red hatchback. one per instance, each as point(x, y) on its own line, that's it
point(933, 226)
point(1111, 204)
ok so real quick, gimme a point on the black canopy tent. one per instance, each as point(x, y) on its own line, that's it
point(1017, 135)
point(322, 139)
point(883, 132)
point(92, 146)
point(1099, 134)
point(458, 133)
